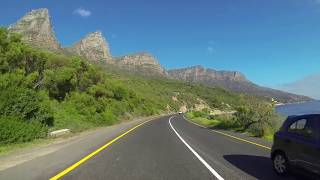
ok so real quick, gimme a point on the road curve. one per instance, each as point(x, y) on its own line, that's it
point(165, 148)
point(159, 150)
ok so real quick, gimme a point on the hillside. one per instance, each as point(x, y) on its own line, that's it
point(42, 91)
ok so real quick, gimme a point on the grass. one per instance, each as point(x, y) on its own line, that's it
point(219, 123)
point(226, 124)
point(268, 137)
point(9, 148)
point(205, 121)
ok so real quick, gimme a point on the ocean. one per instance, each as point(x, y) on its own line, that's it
point(299, 108)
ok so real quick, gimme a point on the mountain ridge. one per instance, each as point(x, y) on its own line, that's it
point(233, 81)
point(198, 70)
point(37, 30)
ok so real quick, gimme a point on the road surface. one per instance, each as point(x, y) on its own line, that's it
point(171, 148)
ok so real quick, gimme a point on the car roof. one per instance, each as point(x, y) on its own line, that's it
point(303, 115)
point(293, 118)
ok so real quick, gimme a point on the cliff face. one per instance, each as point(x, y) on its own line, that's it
point(233, 81)
point(36, 29)
point(198, 73)
point(144, 63)
point(93, 47)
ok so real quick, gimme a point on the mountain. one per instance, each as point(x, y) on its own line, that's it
point(199, 73)
point(36, 29)
point(233, 81)
point(144, 63)
point(309, 86)
point(93, 47)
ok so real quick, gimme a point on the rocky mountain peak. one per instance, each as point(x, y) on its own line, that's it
point(198, 67)
point(36, 29)
point(141, 62)
point(93, 47)
point(139, 58)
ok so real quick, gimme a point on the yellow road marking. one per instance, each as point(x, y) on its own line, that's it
point(75, 165)
point(228, 135)
point(240, 139)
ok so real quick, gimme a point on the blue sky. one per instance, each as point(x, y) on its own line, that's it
point(272, 42)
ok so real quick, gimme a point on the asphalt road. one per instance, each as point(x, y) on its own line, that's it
point(155, 151)
point(165, 148)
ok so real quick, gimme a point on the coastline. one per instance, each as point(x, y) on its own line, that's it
point(308, 107)
point(292, 103)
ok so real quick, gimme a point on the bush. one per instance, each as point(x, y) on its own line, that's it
point(22, 103)
point(13, 130)
point(199, 114)
point(109, 118)
point(59, 82)
point(258, 118)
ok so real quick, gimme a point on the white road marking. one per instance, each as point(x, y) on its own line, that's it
point(195, 153)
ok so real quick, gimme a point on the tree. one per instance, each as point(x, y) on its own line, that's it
point(245, 117)
point(256, 113)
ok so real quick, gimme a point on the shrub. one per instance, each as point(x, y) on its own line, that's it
point(24, 104)
point(199, 114)
point(109, 118)
point(59, 82)
point(13, 130)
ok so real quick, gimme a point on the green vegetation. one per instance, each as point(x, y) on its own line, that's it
point(226, 121)
point(44, 91)
point(256, 118)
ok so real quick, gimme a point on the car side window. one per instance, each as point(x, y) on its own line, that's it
point(297, 125)
point(303, 127)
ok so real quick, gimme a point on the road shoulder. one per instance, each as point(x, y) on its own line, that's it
point(60, 152)
point(236, 135)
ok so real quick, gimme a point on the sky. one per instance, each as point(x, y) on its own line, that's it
point(274, 42)
point(302, 86)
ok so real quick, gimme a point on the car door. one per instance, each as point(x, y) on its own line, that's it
point(309, 155)
point(306, 143)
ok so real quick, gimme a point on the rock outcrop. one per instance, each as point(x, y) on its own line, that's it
point(93, 47)
point(201, 105)
point(233, 81)
point(144, 63)
point(36, 29)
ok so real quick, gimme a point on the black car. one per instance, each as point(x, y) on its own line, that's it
point(297, 145)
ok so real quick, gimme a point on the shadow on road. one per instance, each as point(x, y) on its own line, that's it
point(257, 166)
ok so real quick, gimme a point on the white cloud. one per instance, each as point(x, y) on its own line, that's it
point(210, 49)
point(82, 12)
